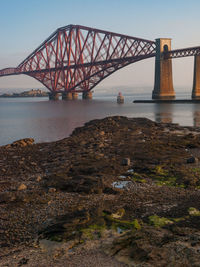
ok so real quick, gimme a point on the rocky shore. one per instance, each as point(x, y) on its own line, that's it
point(117, 192)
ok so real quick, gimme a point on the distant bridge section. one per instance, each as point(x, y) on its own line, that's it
point(9, 71)
point(184, 52)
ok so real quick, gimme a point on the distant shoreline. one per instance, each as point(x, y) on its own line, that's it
point(30, 93)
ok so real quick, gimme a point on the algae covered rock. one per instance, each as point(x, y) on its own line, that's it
point(194, 212)
point(152, 246)
point(159, 221)
point(119, 214)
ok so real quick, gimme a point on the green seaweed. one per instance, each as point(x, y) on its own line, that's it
point(160, 171)
point(138, 178)
point(136, 224)
point(159, 221)
point(92, 231)
point(179, 219)
point(124, 224)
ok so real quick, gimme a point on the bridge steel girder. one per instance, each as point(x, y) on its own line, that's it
point(76, 58)
point(184, 52)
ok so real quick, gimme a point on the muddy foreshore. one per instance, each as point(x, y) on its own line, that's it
point(117, 192)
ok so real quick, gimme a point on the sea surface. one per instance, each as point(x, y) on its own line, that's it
point(46, 120)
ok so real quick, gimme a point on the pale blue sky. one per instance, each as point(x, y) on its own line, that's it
point(26, 23)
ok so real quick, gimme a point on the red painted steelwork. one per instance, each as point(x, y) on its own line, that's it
point(184, 52)
point(9, 71)
point(76, 58)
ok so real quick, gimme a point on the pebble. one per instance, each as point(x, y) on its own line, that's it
point(22, 187)
point(52, 190)
point(102, 133)
point(39, 178)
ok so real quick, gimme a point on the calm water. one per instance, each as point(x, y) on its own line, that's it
point(48, 120)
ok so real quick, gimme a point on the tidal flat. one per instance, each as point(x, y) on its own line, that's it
point(117, 192)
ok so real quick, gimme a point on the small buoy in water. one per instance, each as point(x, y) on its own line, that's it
point(120, 98)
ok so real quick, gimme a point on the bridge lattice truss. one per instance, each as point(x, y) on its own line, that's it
point(184, 52)
point(76, 58)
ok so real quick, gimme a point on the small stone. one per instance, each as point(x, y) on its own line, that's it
point(82, 143)
point(101, 145)
point(102, 133)
point(39, 178)
point(52, 190)
point(126, 161)
point(192, 160)
point(22, 187)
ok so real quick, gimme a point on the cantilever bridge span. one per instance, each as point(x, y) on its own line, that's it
point(76, 58)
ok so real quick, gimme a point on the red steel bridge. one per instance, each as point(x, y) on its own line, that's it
point(76, 58)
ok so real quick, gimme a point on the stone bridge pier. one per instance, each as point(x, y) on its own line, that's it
point(196, 78)
point(69, 96)
point(53, 96)
point(163, 83)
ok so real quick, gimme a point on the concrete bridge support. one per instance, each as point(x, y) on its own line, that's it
point(163, 84)
point(87, 95)
point(53, 96)
point(196, 78)
point(66, 96)
point(75, 96)
point(69, 96)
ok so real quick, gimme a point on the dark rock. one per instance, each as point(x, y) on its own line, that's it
point(67, 225)
point(23, 261)
point(126, 162)
point(85, 184)
point(192, 160)
point(6, 197)
point(111, 190)
point(152, 247)
point(80, 183)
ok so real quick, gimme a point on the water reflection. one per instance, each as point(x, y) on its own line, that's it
point(164, 113)
point(196, 115)
point(48, 121)
point(196, 118)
